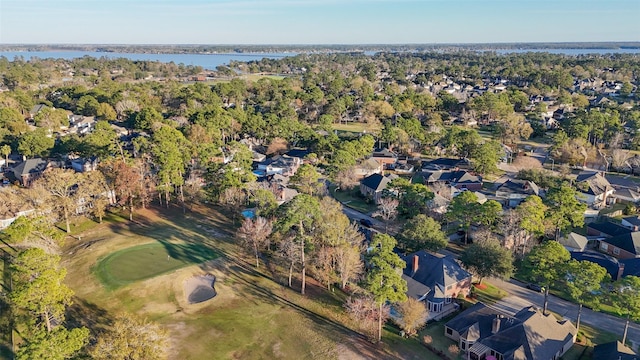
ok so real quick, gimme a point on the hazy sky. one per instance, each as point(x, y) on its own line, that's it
point(316, 21)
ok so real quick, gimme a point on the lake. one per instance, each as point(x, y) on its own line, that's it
point(207, 61)
point(211, 61)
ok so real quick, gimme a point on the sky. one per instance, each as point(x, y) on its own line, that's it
point(316, 21)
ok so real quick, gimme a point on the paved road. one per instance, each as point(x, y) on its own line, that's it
point(520, 296)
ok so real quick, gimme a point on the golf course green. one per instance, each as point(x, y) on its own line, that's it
point(142, 262)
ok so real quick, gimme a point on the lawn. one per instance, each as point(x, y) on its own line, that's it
point(487, 293)
point(350, 127)
point(352, 199)
point(146, 261)
point(254, 316)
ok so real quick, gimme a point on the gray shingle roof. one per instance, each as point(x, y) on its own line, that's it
point(613, 351)
point(629, 242)
point(575, 241)
point(596, 183)
point(435, 272)
point(376, 182)
point(519, 187)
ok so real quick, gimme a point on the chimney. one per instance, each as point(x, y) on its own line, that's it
point(620, 271)
point(495, 326)
point(416, 258)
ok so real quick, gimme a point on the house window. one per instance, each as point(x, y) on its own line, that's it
point(449, 331)
point(463, 345)
point(447, 300)
point(616, 251)
point(604, 246)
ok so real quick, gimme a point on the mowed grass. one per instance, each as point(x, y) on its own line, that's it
point(254, 316)
point(146, 261)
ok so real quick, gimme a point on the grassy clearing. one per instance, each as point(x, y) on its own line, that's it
point(146, 261)
point(352, 199)
point(433, 335)
point(350, 127)
point(254, 316)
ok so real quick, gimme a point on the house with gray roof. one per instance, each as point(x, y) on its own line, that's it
point(28, 171)
point(631, 222)
point(574, 242)
point(626, 195)
point(593, 188)
point(512, 192)
point(482, 331)
point(614, 351)
point(437, 280)
point(373, 185)
point(626, 246)
point(460, 179)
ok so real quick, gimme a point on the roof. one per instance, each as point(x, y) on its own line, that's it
point(37, 108)
point(629, 242)
point(384, 153)
point(444, 164)
point(611, 264)
point(613, 351)
point(30, 167)
point(376, 182)
point(519, 187)
point(459, 177)
point(596, 183)
point(300, 153)
point(518, 336)
point(574, 241)
point(627, 193)
point(633, 220)
point(631, 267)
point(609, 228)
point(435, 272)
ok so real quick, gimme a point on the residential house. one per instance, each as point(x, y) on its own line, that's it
point(373, 185)
point(512, 192)
point(631, 222)
point(482, 331)
point(613, 351)
point(402, 168)
point(384, 156)
point(614, 267)
point(444, 164)
point(9, 215)
point(593, 188)
point(280, 164)
point(437, 280)
point(606, 229)
point(28, 171)
point(626, 195)
point(461, 180)
point(574, 242)
point(85, 164)
point(35, 110)
point(624, 246)
point(368, 167)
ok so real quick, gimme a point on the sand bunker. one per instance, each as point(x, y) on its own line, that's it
point(200, 288)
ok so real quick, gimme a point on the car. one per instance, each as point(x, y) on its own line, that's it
point(535, 287)
point(366, 222)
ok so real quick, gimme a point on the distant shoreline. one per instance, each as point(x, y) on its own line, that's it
point(320, 48)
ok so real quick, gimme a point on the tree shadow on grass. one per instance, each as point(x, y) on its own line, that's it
point(242, 273)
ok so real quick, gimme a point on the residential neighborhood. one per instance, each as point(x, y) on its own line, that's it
point(389, 205)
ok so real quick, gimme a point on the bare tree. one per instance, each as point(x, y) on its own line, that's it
point(387, 210)
point(323, 266)
point(619, 159)
point(347, 255)
point(367, 313)
point(289, 249)
point(346, 179)
point(413, 315)
point(254, 233)
point(442, 189)
point(234, 198)
point(63, 187)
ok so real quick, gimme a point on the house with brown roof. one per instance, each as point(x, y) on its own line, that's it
point(482, 331)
